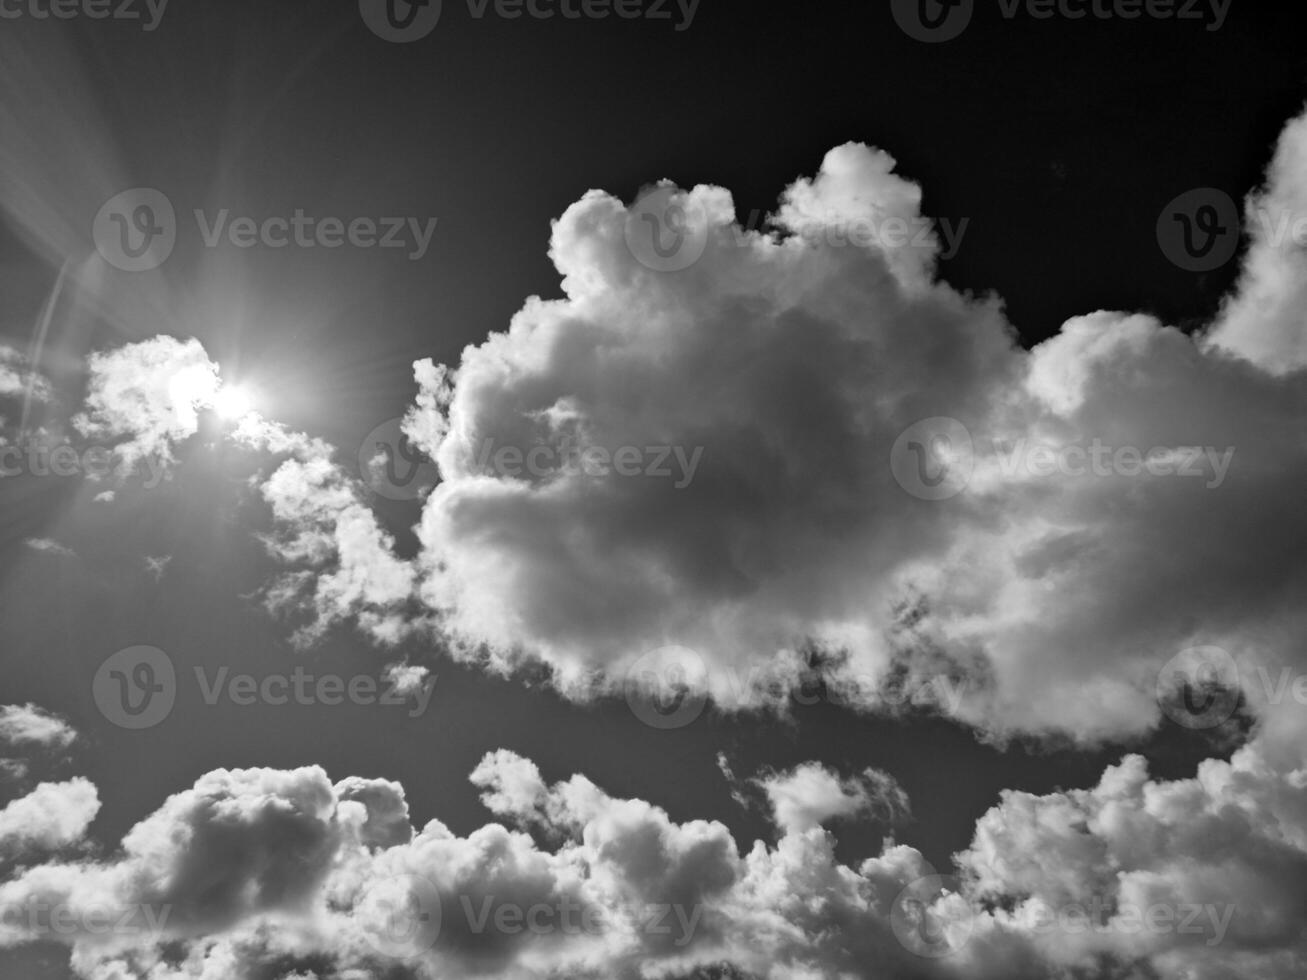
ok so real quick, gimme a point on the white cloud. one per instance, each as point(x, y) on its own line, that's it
point(18, 379)
point(148, 395)
point(811, 795)
point(1264, 320)
point(30, 724)
point(50, 547)
point(53, 815)
point(263, 867)
point(1050, 600)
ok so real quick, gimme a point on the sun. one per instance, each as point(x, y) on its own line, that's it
point(232, 402)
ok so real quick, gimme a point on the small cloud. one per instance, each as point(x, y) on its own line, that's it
point(30, 724)
point(107, 497)
point(157, 565)
point(12, 770)
point(50, 546)
point(406, 678)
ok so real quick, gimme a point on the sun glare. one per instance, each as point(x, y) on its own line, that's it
point(232, 402)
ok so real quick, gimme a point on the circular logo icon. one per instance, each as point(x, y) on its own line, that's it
point(136, 687)
point(136, 231)
point(664, 232)
point(400, 21)
point(668, 687)
point(931, 918)
point(1199, 230)
point(933, 459)
point(401, 916)
point(1199, 687)
point(932, 20)
point(392, 466)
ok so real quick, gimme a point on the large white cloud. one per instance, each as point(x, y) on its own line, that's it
point(794, 362)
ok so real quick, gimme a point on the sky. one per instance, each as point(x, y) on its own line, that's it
point(705, 491)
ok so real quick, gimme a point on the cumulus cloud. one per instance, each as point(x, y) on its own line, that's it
point(1050, 590)
point(1264, 320)
point(713, 458)
point(53, 815)
point(30, 724)
point(265, 872)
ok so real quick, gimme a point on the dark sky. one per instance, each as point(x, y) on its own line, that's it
point(1060, 142)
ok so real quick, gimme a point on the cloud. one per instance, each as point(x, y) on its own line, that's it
point(148, 395)
point(811, 795)
point(50, 547)
point(1264, 319)
point(346, 560)
point(156, 565)
point(252, 872)
point(18, 379)
point(785, 369)
point(714, 459)
point(52, 816)
point(1048, 591)
point(30, 724)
